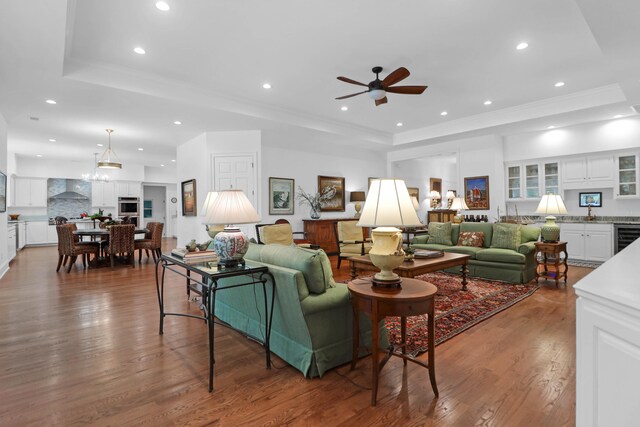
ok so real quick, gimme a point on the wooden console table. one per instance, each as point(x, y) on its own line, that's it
point(441, 215)
point(543, 250)
point(320, 232)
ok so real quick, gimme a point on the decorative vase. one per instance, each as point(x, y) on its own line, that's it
point(315, 212)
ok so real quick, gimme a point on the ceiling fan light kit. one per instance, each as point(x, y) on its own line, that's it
point(378, 89)
point(109, 160)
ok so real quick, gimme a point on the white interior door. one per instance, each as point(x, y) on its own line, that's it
point(237, 173)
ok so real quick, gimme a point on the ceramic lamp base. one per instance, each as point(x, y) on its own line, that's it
point(550, 231)
point(213, 230)
point(231, 244)
point(357, 206)
point(386, 254)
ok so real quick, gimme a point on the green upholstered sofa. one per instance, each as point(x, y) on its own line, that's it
point(312, 318)
point(514, 266)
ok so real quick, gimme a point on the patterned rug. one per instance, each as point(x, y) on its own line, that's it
point(458, 310)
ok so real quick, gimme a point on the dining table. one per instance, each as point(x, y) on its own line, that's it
point(100, 261)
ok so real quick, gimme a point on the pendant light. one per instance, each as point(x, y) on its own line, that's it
point(109, 160)
point(95, 176)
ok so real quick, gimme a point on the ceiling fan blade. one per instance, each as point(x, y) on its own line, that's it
point(381, 101)
point(353, 82)
point(395, 77)
point(353, 94)
point(407, 90)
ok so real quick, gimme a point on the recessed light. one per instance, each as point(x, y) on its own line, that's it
point(52, 140)
point(177, 122)
point(163, 6)
point(173, 160)
point(551, 127)
point(399, 124)
point(488, 102)
point(266, 86)
point(100, 145)
point(162, 165)
point(35, 119)
point(344, 108)
point(140, 149)
point(139, 50)
point(38, 155)
point(51, 101)
point(444, 113)
point(617, 116)
point(559, 84)
point(522, 45)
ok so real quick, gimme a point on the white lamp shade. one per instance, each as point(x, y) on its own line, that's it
point(551, 204)
point(434, 194)
point(231, 207)
point(208, 203)
point(450, 195)
point(388, 205)
point(459, 204)
point(416, 203)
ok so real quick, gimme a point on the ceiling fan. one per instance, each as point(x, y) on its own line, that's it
point(378, 89)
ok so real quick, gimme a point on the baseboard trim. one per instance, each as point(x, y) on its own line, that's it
point(4, 268)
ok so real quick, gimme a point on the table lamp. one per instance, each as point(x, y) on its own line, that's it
point(357, 197)
point(388, 206)
point(450, 196)
point(231, 207)
point(208, 202)
point(551, 204)
point(458, 204)
point(434, 196)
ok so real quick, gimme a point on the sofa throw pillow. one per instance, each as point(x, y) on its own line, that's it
point(471, 238)
point(506, 236)
point(440, 233)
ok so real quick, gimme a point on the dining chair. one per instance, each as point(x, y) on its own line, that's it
point(281, 233)
point(121, 242)
point(350, 239)
point(152, 241)
point(69, 247)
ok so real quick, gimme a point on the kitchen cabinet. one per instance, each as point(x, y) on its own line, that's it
point(530, 180)
point(52, 234)
point(585, 241)
point(11, 241)
point(626, 176)
point(103, 195)
point(587, 172)
point(128, 189)
point(22, 234)
point(29, 192)
point(37, 232)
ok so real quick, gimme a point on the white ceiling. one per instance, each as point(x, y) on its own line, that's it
point(206, 62)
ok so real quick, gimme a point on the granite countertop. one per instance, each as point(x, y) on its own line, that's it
point(582, 219)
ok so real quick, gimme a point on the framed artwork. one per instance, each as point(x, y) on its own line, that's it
point(590, 199)
point(435, 184)
point(414, 192)
point(476, 192)
point(281, 196)
point(371, 178)
point(189, 205)
point(333, 187)
point(3, 192)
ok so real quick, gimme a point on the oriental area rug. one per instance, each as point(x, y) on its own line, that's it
point(458, 310)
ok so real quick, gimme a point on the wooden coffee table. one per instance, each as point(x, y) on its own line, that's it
point(416, 267)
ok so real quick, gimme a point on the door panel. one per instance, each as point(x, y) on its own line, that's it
point(235, 172)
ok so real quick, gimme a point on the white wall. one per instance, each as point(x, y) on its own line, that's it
point(303, 155)
point(192, 162)
point(3, 216)
point(605, 136)
point(161, 175)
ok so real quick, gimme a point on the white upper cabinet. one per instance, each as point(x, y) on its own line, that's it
point(530, 180)
point(103, 194)
point(31, 192)
point(128, 189)
point(588, 172)
point(626, 176)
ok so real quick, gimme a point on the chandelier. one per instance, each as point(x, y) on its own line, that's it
point(109, 160)
point(95, 176)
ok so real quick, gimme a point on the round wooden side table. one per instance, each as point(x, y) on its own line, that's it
point(413, 298)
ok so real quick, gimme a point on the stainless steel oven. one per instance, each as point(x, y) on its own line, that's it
point(128, 206)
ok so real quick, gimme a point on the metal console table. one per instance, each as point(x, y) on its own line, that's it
point(210, 274)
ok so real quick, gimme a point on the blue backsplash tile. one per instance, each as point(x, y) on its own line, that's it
point(68, 208)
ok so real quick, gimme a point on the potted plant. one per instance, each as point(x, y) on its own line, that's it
point(314, 201)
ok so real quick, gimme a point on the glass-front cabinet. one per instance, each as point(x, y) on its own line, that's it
point(513, 185)
point(532, 181)
point(626, 176)
point(551, 178)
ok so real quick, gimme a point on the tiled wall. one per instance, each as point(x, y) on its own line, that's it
point(68, 208)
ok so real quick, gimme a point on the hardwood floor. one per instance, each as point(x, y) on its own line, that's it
point(83, 349)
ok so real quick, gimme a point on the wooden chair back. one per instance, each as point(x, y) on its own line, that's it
point(121, 239)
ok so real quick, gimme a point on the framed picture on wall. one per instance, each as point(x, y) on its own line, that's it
point(333, 187)
point(281, 196)
point(3, 192)
point(476, 192)
point(189, 203)
point(435, 184)
point(414, 192)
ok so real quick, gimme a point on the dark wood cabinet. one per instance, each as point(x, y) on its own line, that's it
point(441, 215)
point(320, 232)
